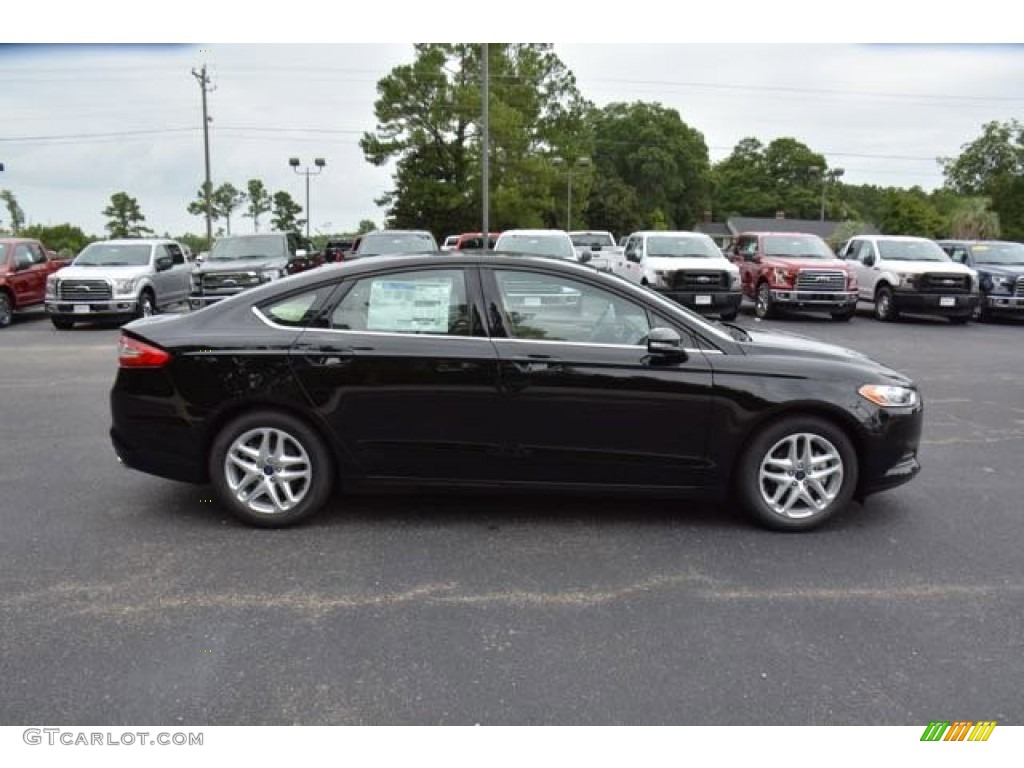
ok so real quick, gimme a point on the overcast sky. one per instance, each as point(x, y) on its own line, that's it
point(80, 123)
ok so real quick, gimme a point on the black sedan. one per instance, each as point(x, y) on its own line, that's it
point(478, 370)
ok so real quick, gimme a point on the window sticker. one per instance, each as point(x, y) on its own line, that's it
point(412, 306)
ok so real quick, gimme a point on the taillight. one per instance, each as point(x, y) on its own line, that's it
point(132, 353)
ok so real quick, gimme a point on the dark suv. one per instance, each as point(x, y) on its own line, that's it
point(338, 249)
point(1000, 268)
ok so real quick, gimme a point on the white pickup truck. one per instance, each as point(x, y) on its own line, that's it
point(600, 244)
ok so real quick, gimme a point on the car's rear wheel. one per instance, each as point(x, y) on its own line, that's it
point(270, 469)
point(885, 306)
point(62, 323)
point(764, 307)
point(796, 473)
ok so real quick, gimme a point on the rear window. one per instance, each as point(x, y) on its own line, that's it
point(538, 245)
point(379, 243)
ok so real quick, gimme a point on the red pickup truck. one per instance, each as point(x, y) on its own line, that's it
point(24, 266)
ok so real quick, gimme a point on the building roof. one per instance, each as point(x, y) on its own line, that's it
point(713, 228)
point(823, 229)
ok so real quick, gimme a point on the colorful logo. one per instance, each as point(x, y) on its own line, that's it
point(960, 730)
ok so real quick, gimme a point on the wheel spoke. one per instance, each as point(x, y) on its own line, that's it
point(801, 475)
point(268, 470)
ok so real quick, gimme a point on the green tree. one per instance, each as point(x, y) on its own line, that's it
point(427, 124)
point(285, 213)
point(365, 225)
point(651, 151)
point(228, 199)
point(759, 180)
point(973, 220)
point(993, 166)
point(125, 217)
point(63, 238)
point(198, 206)
point(910, 212)
point(259, 202)
point(13, 210)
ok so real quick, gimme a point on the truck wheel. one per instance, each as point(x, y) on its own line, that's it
point(270, 469)
point(764, 308)
point(885, 308)
point(6, 310)
point(62, 323)
point(796, 473)
point(147, 305)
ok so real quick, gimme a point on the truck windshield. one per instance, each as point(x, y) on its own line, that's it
point(557, 245)
point(911, 250)
point(998, 253)
point(592, 239)
point(383, 242)
point(248, 247)
point(114, 255)
point(682, 247)
point(797, 246)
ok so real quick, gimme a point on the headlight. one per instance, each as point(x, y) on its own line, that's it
point(889, 396)
point(906, 279)
point(734, 280)
point(269, 274)
point(197, 281)
point(781, 277)
point(1000, 284)
point(661, 277)
point(124, 284)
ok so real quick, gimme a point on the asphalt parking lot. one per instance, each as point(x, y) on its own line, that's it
point(128, 599)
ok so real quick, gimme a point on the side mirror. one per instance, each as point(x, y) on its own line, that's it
point(869, 260)
point(633, 256)
point(585, 257)
point(665, 345)
point(164, 263)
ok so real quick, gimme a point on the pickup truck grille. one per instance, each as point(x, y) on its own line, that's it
point(75, 289)
point(1019, 290)
point(228, 281)
point(936, 282)
point(685, 280)
point(819, 280)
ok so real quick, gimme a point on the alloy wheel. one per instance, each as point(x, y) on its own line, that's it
point(268, 470)
point(800, 476)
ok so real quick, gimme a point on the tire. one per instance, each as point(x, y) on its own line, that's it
point(239, 460)
point(885, 307)
point(147, 305)
point(764, 307)
point(784, 498)
point(6, 309)
point(845, 316)
point(729, 316)
point(62, 323)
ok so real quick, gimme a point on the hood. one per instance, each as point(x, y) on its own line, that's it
point(801, 263)
point(677, 263)
point(1003, 270)
point(919, 267)
point(99, 272)
point(253, 264)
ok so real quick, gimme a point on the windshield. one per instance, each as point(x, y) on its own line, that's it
point(559, 246)
point(801, 246)
point(248, 247)
point(911, 250)
point(592, 239)
point(998, 253)
point(376, 244)
point(114, 255)
point(676, 246)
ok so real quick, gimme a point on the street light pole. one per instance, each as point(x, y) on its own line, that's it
point(581, 162)
point(319, 163)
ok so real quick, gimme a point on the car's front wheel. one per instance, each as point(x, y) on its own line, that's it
point(885, 306)
point(764, 306)
point(146, 306)
point(796, 473)
point(6, 310)
point(270, 469)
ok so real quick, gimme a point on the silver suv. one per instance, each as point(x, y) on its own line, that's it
point(119, 278)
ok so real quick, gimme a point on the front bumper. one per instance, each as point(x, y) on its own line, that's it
point(709, 302)
point(200, 300)
point(1002, 303)
point(815, 299)
point(889, 456)
point(109, 308)
point(935, 303)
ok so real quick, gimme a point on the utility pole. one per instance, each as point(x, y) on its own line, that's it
point(485, 148)
point(204, 87)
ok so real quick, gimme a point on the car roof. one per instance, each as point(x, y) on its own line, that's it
point(535, 232)
point(135, 241)
point(908, 238)
point(760, 232)
point(672, 232)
